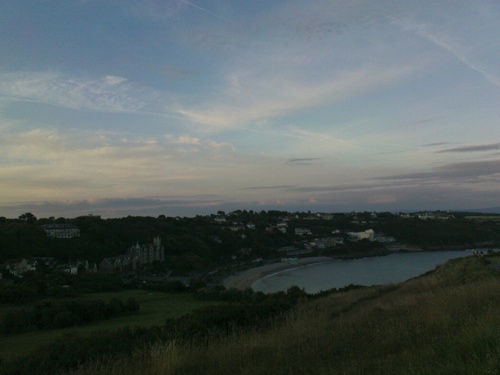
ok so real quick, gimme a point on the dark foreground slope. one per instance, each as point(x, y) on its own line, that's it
point(446, 322)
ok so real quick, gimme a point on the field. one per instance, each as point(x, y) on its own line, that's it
point(483, 218)
point(156, 307)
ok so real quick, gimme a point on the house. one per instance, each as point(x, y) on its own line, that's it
point(245, 251)
point(20, 266)
point(293, 250)
point(61, 230)
point(326, 242)
point(78, 266)
point(282, 227)
point(237, 226)
point(302, 231)
point(107, 265)
point(367, 234)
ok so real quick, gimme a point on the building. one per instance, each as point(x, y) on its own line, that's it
point(61, 230)
point(366, 235)
point(302, 231)
point(136, 256)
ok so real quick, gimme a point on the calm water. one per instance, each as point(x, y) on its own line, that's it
point(388, 269)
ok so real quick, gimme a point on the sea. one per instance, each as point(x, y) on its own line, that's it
point(381, 270)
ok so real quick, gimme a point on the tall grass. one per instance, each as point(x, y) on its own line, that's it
point(446, 322)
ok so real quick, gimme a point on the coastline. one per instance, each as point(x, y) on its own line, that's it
point(245, 279)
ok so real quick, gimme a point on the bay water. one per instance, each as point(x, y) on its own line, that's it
point(389, 269)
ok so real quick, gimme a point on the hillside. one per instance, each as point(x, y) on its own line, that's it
point(445, 322)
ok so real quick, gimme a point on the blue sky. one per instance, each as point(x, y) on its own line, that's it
point(144, 107)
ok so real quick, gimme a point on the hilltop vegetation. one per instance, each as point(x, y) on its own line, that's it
point(445, 322)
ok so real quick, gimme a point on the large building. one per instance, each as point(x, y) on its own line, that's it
point(137, 256)
point(61, 230)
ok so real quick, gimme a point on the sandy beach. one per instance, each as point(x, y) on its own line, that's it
point(246, 278)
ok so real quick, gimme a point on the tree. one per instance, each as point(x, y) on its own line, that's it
point(28, 217)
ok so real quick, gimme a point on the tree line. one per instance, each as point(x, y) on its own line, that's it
point(53, 314)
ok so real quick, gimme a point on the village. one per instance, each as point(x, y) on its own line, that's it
point(294, 235)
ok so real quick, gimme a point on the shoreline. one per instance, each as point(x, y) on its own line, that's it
point(245, 279)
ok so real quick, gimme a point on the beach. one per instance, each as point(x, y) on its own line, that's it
point(246, 278)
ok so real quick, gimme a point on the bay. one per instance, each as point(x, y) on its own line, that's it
point(389, 269)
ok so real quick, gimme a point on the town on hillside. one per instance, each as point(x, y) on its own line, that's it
point(166, 249)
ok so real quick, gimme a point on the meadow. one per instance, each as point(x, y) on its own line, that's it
point(155, 308)
point(484, 218)
point(444, 322)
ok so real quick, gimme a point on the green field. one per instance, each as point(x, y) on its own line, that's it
point(156, 307)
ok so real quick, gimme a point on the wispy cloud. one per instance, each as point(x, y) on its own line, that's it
point(435, 144)
point(205, 10)
point(466, 172)
point(253, 98)
point(465, 50)
point(275, 187)
point(198, 142)
point(101, 94)
point(302, 160)
point(476, 148)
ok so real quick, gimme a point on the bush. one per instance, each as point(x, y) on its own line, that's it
point(66, 319)
point(132, 305)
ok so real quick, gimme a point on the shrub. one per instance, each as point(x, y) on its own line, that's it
point(66, 319)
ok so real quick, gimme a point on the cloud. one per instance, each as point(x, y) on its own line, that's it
point(486, 147)
point(275, 187)
point(305, 161)
point(254, 97)
point(470, 172)
point(435, 144)
point(205, 10)
point(102, 94)
point(459, 37)
point(195, 141)
point(41, 163)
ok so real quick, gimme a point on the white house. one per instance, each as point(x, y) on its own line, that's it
point(367, 234)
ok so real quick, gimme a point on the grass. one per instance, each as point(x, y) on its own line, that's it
point(156, 307)
point(483, 218)
point(494, 258)
point(446, 322)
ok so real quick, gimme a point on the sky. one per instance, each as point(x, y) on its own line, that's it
point(180, 108)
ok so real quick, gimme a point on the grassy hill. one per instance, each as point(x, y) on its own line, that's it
point(445, 322)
